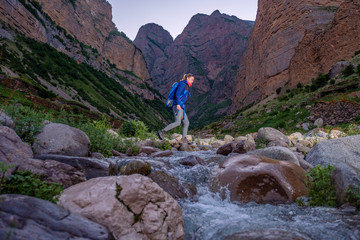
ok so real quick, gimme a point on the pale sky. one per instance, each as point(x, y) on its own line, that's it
point(173, 15)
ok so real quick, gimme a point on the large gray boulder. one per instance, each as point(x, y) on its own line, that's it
point(24, 217)
point(344, 177)
point(277, 153)
point(267, 134)
point(56, 138)
point(12, 150)
point(132, 207)
point(331, 152)
point(5, 120)
point(54, 171)
point(92, 167)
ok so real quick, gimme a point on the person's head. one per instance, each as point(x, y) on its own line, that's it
point(189, 78)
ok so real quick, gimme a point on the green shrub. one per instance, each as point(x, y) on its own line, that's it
point(321, 191)
point(348, 71)
point(164, 145)
point(332, 81)
point(358, 69)
point(123, 146)
point(26, 183)
point(319, 82)
point(134, 128)
point(353, 195)
point(27, 121)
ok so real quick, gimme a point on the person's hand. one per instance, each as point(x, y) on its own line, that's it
point(178, 107)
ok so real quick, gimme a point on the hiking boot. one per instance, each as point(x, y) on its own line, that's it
point(161, 135)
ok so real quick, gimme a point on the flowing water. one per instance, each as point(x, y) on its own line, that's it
point(211, 216)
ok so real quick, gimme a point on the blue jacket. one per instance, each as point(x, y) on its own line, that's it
point(182, 94)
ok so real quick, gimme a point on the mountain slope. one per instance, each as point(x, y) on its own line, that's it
point(36, 49)
point(210, 47)
point(294, 41)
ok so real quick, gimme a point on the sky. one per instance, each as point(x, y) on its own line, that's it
point(173, 15)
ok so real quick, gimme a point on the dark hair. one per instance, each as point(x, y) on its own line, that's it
point(187, 76)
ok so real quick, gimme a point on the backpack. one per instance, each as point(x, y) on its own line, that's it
point(170, 99)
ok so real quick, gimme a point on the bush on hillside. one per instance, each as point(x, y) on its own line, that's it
point(134, 128)
point(319, 82)
point(348, 71)
point(321, 191)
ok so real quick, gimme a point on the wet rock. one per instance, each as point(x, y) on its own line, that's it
point(148, 150)
point(5, 120)
point(56, 138)
point(166, 153)
point(171, 185)
point(277, 153)
point(131, 207)
point(92, 167)
point(268, 234)
point(97, 155)
point(244, 146)
point(129, 167)
point(54, 171)
point(204, 147)
point(331, 152)
point(185, 147)
point(192, 161)
point(344, 177)
point(24, 217)
point(118, 154)
point(267, 134)
point(263, 180)
point(225, 149)
point(12, 150)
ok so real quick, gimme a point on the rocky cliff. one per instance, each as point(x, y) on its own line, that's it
point(106, 72)
point(210, 47)
point(153, 39)
point(89, 22)
point(294, 41)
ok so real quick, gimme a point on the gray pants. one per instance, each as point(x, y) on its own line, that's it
point(179, 119)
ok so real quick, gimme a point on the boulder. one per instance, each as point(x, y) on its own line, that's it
point(344, 177)
point(277, 153)
point(176, 136)
point(61, 139)
point(192, 161)
point(331, 152)
point(12, 150)
point(267, 134)
point(338, 68)
point(129, 167)
point(167, 153)
point(97, 155)
point(24, 217)
point(225, 149)
point(319, 123)
point(228, 139)
point(302, 149)
point(277, 144)
point(118, 154)
point(54, 171)
point(172, 186)
point(185, 147)
point(305, 126)
point(262, 180)
point(131, 207)
point(148, 150)
point(92, 167)
point(217, 143)
point(317, 132)
point(147, 143)
point(295, 137)
point(244, 146)
point(5, 120)
point(248, 137)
